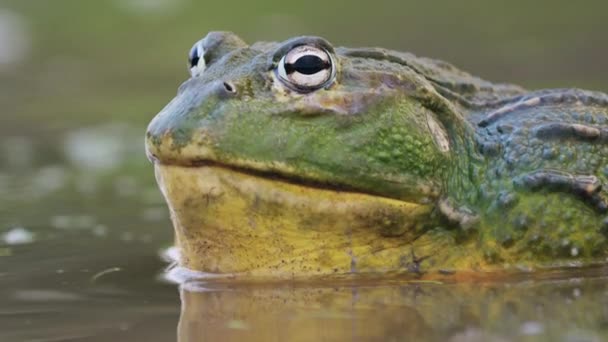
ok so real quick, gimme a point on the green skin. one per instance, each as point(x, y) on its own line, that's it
point(520, 172)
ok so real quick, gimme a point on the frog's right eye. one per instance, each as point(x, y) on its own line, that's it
point(196, 59)
point(306, 68)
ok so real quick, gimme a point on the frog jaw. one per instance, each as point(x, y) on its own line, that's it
point(229, 222)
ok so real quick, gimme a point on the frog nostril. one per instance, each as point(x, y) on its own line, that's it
point(229, 87)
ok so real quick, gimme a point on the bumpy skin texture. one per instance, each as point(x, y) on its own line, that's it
point(508, 178)
point(540, 174)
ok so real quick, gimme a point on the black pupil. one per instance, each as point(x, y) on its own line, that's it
point(194, 57)
point(307, 65)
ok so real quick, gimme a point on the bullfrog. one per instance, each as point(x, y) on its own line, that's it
point(300, 159)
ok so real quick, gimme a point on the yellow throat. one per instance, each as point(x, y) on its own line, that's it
point(232, 223)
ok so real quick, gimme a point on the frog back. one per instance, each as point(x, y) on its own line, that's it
point(542, 176)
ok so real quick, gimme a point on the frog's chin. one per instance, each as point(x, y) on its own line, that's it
point(233, 222)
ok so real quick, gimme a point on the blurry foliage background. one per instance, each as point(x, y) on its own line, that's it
point(69, 63)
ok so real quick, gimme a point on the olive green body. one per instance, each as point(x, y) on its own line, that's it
point(541, 162)
point(515, 176)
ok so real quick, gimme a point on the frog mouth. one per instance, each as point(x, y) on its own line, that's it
point(399, 190)
point(233, 221)
point(277, 174)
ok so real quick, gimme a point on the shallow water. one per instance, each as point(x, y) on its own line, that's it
point(81, 247)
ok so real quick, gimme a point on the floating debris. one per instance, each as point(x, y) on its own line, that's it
point(104, 272)
point(18, 236)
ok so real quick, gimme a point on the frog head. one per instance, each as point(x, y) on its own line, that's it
point(301, 158)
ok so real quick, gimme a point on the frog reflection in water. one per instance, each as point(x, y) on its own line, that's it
point(297, 159)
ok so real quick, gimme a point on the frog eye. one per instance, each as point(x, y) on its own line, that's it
point(306, 68)
point(196, 59)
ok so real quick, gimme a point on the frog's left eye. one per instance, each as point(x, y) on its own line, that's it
point(306, 68)
point(196, 59)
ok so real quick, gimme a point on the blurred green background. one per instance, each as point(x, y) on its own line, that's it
point(68, 63)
